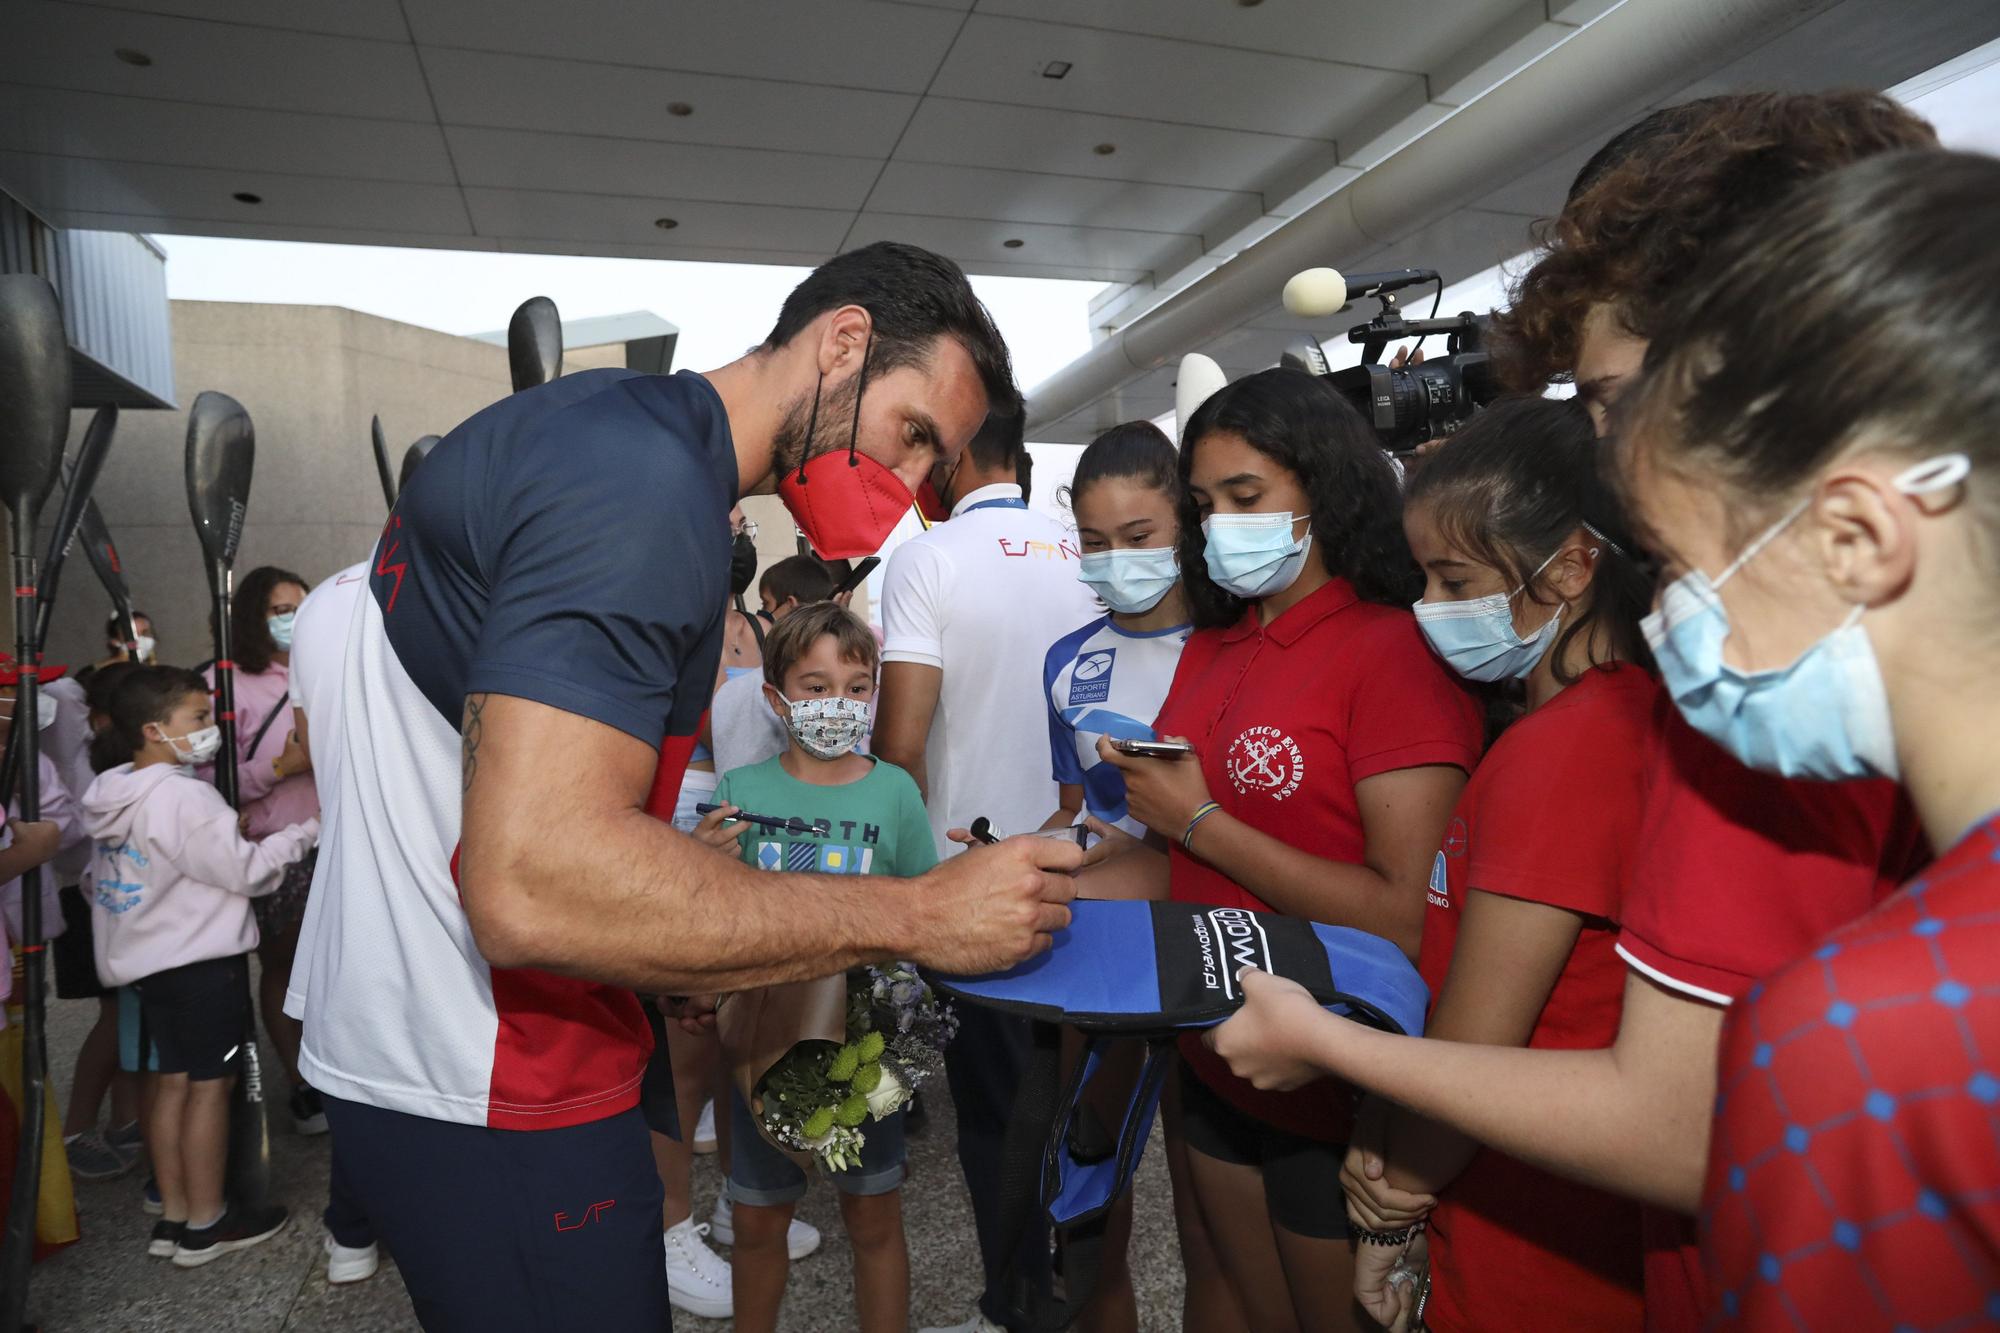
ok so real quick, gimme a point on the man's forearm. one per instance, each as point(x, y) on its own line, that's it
point(692, 920)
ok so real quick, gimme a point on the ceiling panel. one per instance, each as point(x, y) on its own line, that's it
point(1359, 32)
point(972, 192)
point(974, 242)
point(95, 125)
point(523, 92)
point(379, 19)
point(550, 215)
point(201, 195)
point(162, 225)
point(1063, 143)
point(71, 46)
point(522, 159)
point(1112, 73)
point(853, 44)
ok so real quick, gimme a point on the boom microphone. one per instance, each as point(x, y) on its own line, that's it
point(1319, 292)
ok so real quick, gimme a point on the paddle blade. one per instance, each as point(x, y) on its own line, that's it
point(34, 394)
point(382, 461)
point(534, 343)
point(412, 456)
point(81, 481)
point(221, 448)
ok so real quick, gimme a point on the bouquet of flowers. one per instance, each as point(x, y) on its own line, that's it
point(819, 1095)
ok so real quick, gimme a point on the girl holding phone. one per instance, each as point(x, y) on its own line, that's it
point(1329, 746)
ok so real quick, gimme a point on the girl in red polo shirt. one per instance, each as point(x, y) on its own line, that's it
point(1528, 579)
point(1329, 747)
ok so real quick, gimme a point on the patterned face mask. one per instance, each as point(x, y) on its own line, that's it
point(828, 728)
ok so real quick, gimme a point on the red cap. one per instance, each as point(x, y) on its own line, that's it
point(10, 674)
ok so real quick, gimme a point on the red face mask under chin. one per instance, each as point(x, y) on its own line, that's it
point(845, 505)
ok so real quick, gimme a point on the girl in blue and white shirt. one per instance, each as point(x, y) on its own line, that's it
point(1109, 677)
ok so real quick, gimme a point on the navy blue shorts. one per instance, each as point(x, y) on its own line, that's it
point(499, 1229)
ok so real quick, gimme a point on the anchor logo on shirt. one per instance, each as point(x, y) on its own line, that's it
point(1265, 761)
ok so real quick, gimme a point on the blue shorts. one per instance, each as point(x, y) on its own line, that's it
point(502, 1229)
point(760, 1175)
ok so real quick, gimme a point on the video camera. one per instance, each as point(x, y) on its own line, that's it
point(1408, 404)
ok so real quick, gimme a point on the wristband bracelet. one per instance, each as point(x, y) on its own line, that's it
point(1202, 811)
point(1402, 1237)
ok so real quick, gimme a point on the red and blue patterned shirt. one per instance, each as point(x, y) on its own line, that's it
point(1854, 1176)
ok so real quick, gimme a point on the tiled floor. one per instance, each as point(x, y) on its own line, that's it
point(106, 1283)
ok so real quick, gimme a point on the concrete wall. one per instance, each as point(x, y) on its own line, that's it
point(310, 377)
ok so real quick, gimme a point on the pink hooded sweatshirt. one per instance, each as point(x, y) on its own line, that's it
point(173, 878)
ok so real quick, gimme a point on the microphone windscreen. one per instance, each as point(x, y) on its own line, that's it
point(1316, 293)
point(1199, 377)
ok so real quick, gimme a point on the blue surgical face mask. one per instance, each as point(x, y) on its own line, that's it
point(1254, 555)
point(1131, 581)
point(1477, 638)
point(1824, 716)
point(281, 630)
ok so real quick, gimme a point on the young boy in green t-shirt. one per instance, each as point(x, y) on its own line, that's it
point(844, 814)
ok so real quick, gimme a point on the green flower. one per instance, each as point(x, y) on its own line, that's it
point(871, 1048)
point(820, 1122)
point(869, 1076)
point(844, 1064)
point(852, 1111)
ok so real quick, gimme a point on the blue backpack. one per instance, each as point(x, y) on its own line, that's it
point(1150, 971)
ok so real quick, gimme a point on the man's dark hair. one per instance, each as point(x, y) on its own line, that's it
point(798, 576)
point(914, 298)
point(1000, 442)
point(1656, 200)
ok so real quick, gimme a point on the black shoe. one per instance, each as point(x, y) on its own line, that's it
point(308, 1115)
point(915, 1118)
point(238, 1229)
point(166, 1238)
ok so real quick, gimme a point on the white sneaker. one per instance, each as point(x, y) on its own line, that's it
point(704, 1132)
point(697, 1277)
point(979, 1323)
point(347, 1264)
point(801, 1239)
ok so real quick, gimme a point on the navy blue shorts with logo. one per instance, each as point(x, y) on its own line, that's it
point(499, 1229)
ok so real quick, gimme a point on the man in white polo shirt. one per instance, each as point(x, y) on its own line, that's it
point(969, 610)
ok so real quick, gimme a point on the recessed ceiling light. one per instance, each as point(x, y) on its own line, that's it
point(1105, 149)
point(1013, 243)
point(680, 109)
point(665, 224)
point(131, 57)
point(245, 197)
point(1056, 69)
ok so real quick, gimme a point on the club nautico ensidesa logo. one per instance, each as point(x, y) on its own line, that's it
point(1265, 761)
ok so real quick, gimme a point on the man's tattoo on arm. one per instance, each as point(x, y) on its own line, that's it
point(475, 707)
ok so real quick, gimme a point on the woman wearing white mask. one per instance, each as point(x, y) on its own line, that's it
point(275, 786)
point(1528, 579)
point(1110, 677)
point(1329, 745)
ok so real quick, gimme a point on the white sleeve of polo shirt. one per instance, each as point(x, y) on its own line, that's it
point(916, 588)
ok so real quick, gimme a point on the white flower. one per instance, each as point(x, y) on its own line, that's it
point(889, 1095)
